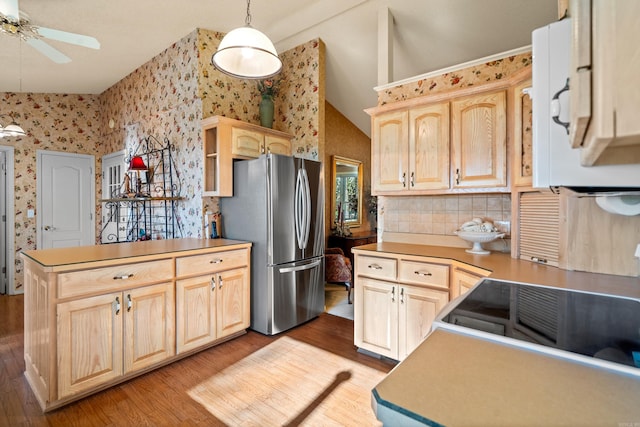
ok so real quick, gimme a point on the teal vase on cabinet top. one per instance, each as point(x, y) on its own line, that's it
point(266, 111)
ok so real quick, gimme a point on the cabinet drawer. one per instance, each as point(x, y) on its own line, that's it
point(108, 279)
point(381, 268)
point(424, 273)
point(209, 263)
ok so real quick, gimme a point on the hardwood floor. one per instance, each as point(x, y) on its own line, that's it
point(161, 397)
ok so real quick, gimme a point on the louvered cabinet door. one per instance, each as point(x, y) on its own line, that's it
point(539, 227)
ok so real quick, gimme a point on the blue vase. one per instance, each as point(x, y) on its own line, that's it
point(266, 111)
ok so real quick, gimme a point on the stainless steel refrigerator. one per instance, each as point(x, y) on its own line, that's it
point(278, 204)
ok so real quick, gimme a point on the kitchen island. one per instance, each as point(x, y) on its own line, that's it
point(99, 315)
point(456, 379)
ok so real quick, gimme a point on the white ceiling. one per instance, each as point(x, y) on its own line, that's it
point(429, 35)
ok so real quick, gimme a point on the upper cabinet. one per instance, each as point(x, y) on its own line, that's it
point(605, 89)
point(450, 146)
point(522, 133)
point(479, 141)
point(225, 139)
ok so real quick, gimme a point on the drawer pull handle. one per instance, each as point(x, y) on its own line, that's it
point(129, 303)
point(393, 294)
point(422, 273)
point(215, 261)
point(375, 266)
point(401, 295)
point(123, 277)
point(220, 282)
point(117, 305)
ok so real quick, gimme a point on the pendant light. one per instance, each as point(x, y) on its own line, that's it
point(247, 53)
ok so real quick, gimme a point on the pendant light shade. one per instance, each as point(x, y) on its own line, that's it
point(12, 129)
point(247, 53)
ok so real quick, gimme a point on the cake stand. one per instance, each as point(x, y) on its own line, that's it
point(477, 238)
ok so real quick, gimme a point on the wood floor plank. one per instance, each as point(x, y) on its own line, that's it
point(164, 397)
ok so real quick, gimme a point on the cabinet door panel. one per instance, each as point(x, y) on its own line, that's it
point(376, 317)
point(149, 326)
point(233, 302)
point(195, 312)
point(418, 308)
point(89, 343)
point(479, 140)
point(462, 281)
point(276, 145)
point(429, 147)
point(246, 143)
point(389, 152)
point(522, 134)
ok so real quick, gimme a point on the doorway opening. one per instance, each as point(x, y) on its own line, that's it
point(7, 222)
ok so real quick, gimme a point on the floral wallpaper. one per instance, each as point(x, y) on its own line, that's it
point(165, 98)
point(472, 76)
point(54, 122)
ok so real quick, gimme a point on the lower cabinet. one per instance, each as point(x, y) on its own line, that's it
point(211, 307)
point(392, 318)
point(464, 278)
point(103, 337)
point(93, 324)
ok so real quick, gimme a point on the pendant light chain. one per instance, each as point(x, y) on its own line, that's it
point(247, 20)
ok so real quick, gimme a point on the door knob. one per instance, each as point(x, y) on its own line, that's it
point(49, 228)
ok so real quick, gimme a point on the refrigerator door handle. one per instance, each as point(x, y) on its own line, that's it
point(309, 266)
point(307, 210)
point(302, 208)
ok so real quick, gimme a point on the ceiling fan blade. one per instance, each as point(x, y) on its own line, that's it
point(72, 38)
point(9, 8)
point(48, 51)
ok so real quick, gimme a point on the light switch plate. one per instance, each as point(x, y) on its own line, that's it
point(30, 213)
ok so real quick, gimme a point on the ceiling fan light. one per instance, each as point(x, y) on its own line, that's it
point(247, 53)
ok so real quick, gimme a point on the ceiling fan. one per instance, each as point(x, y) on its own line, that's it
point(16, 23)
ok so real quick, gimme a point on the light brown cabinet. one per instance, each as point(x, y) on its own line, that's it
point(97, 316)
point(444, 147)
point(104, 337)
point(225, 139)
point(522, 133)
point(395, 302)
point(479, 140)
point(464, 277)
point(214, 305)
point(604, 79)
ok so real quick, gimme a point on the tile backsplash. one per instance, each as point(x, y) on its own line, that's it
point(441, 215)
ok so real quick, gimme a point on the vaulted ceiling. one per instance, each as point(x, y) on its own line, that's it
point(428, 35)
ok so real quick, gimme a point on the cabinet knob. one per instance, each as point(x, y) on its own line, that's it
point(413, 182)
point(458, 176)
point(116, 305)
point(404, 179)
point(393, 294)
point(129, 303)
point(401, 295)
point(213, 283)
point(219, 282)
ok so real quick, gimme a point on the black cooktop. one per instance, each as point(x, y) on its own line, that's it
point(600, 327)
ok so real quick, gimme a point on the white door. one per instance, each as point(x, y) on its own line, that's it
point(65, 199)
point(114, 214)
